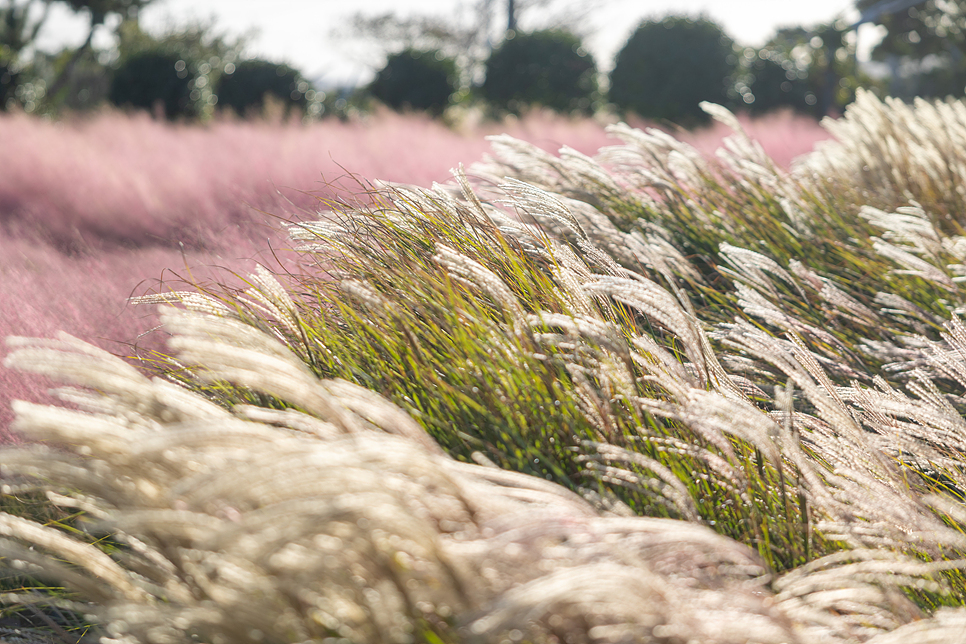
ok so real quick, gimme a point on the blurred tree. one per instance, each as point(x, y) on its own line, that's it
point(199, 53)
point(20, 23)
point(467, 35)
point(810, 70)
point(199, 40)
point(97, 11)
point(669, 66)
point(548, 68)
point(927, 27)
point(154, 80)
point(925, 45)
point(79, 78)
point(414, 79)
point(85, 87)
point(774, 82)
point(246, 87)
point(8, 85)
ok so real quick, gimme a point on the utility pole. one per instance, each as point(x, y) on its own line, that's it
point(511, 16)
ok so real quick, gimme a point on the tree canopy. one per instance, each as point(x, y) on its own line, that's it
point(417, 80)
point(100, 9)
point(20, 24)
point(669, 66)
point(253, 81)
point(467, 34)
point(548, 68)
point(928, 40)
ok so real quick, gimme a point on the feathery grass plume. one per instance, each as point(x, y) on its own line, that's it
point(617, 379)
point(946, 626)
point(227, 529)
point(581, 350)
point(657, 332)
point(886, 153)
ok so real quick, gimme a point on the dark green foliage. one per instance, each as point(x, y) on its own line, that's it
point(668, 67)
point(930, 37)
point(99, 9)
point(84, 86)
point(547, 68)
point(940, 82)
point(8, 84)
point(153, 78)
point(245, 89)
point(812, 71)
point(21, 22)
point(929, 27)
point(776, 83)
point(17, 33)
point(416, 80)
point(205, 53)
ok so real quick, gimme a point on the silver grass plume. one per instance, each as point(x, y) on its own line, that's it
point(253, 525)
point(887, 152)
point(340, 517)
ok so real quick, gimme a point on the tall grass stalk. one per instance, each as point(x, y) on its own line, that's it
point(642, 396)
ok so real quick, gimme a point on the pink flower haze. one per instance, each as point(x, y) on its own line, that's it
point(783, 135)
point(95, 210)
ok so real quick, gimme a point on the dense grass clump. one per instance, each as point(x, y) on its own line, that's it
point(643, 396)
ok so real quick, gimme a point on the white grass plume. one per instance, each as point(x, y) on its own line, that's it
point(339, 517)
point(237, 530)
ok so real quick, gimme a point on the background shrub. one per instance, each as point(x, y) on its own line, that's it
point(775, 85)
point(812, 71)
point(8, 84)
point(547, 68)
point(669, 66)
point(152, 78)
point(416, 80)
point(245, 89)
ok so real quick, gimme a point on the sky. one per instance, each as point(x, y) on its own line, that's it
point(307, 35)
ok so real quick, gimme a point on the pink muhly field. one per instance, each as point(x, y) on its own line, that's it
point(95, 210)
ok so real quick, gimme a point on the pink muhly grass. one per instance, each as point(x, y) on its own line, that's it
point(98, 209)
point(43, 291)
point(783, 135)
point(138, 181)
